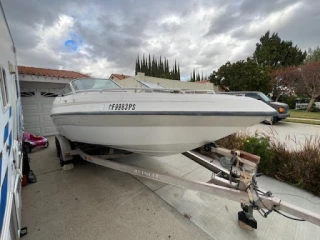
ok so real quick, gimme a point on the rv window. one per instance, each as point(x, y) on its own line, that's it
point(3, 86)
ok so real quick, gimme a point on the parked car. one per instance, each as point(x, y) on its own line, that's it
point(31, 141)
point(282, 108)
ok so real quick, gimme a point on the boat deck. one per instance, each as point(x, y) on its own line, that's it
point(92, 202)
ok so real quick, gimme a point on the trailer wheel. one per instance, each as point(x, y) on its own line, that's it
point(27, 148)
point(59, 152)
point(61, 159)
point(57, 147)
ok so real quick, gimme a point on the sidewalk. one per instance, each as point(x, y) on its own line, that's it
point(304, 119)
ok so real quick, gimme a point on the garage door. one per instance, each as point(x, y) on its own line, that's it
point(36, 106)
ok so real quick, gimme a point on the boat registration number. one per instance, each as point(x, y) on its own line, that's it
point(122, 106)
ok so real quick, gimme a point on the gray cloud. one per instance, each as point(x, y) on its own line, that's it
point(197, 33)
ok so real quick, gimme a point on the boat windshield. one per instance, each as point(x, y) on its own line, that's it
point(93, 83)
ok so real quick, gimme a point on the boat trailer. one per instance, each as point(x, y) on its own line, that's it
point(233, 178)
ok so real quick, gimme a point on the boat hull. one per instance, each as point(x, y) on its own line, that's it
point(155, 124)
point(154, 135)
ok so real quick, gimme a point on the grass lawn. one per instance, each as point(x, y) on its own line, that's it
point(302, 121)
point(304, 114)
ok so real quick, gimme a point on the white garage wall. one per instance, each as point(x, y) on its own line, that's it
point(37, 99)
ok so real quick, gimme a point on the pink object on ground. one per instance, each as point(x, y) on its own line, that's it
point(31, 141)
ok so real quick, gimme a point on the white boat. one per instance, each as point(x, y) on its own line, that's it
point(148, 121)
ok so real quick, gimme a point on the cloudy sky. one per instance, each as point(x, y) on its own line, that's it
point(105, 36)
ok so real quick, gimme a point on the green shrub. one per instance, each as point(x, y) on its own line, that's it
point(300, 168)
point(290, 100)
point(260, 146)
point(314, 108)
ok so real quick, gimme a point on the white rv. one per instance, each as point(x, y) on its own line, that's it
point(10, 136)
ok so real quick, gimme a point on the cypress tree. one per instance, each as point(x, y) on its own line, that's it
point(157, 68)
point(198, 76)
point(142, 64)
point(194, 75)
point(137, 65)
point(175, 70)
point(160, 67)
point(167, 69)
point(149, 66)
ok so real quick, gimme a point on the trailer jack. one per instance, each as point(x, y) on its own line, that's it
point(246, 219)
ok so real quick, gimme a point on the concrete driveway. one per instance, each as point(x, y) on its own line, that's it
point(92, 202)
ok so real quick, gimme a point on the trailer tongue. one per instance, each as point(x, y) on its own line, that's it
point(237, 181)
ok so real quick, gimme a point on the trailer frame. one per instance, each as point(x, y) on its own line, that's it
point(226, 184)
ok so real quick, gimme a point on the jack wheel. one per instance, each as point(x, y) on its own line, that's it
point(208, 147)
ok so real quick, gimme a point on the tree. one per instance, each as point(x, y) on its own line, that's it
point(243, 76)
point(284, 81)
point(157, 68)
point(310, 81)
point(275, 53)
point(198, 77)
point(149, 66)
point(138, 68)
point(305, 80)
point(313, 54)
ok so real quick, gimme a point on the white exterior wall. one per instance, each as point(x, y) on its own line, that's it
point(37, 107)
point(168, 83)
point(37, 79)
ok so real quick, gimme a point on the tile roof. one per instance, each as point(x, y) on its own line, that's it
point(50, 72)
point(203, 81)
point(119, 76)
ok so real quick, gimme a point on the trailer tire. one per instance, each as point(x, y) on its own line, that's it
point(27, 148)
point(57, 147)
point(61, 159)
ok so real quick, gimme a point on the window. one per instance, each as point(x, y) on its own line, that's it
point(259, 96)
point(27, 94)
point(253, 95)
point(150, 84)
point(48, 94)
point(3, 86)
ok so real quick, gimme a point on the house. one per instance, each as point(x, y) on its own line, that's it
point(117, 77)
point(38, 88)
